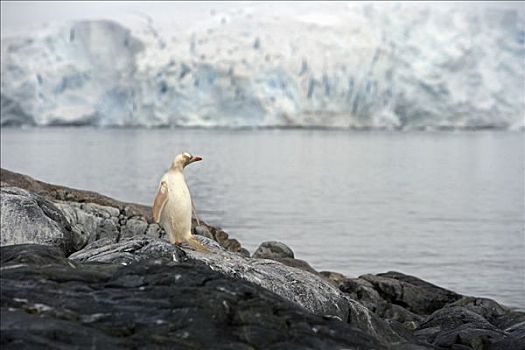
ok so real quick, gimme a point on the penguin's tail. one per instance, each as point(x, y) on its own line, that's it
point(198, 246)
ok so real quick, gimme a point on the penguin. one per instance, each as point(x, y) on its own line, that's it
point(172, 206)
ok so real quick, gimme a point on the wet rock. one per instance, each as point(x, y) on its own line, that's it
point(388, 309)
point(410, 292)
point(311, 292)
point(93, 216)
point(244, 252)
point(61, 193)
point(91, 221)
point(363, 291)
point(29, 218)
point(155, 304)
point(302, 288)
point(458, 326)
point(364, 319)
point(514, 340)
point(297, 263)
point(490, 310)
point(335, 278)
point(132, 249)
point(232, 245)
point(135, 226)
point(32, 254)
point(273, 250)
point(220, 236)
point(203, 230)
point(154, 230)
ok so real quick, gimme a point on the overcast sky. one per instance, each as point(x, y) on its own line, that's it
point(21, 16)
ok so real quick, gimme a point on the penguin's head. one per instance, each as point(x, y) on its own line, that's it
point(184, 159)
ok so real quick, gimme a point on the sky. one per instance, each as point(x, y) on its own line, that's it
point(22, 16)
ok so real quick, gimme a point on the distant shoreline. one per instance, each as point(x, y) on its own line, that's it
point(255, 128)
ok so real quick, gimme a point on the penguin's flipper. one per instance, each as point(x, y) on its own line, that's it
point(160, 201)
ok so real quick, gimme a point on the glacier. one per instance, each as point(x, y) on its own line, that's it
point(398, 66)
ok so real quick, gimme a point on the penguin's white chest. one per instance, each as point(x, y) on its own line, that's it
point(176, 216)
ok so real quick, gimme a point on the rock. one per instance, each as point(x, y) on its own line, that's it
point(202, 230)
point(154, 304)
point(302, 288)
point(410, 292)
point(273, 250)
point(335, 278)
point(135, 226)
point(360, 317)
point(134, 274)
point(33, 254)
point(29, 218)
point(62, 193)
point(91, 221)
point(244, 252)
point(155, 230)
point(515, 339)
point(93, 216)
point(457, 325)
point(220, 236)
point(490, 310)
point(131, 249)
point(311, 292)
point(298, 264)
point(363, 291)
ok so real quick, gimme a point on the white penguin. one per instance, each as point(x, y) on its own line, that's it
point(172, 206)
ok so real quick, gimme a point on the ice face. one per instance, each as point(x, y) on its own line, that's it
point(394, 66)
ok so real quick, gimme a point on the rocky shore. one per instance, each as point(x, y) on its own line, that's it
point(81, 270)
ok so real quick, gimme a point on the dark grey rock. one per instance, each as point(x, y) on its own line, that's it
point(298, 264)
point(155, 230)
point(490, 310)
point(91, 221)
point(93, 216)
point(335, 278)
point(135, 226)
point(302, 288)
point(410, 292)
point(515, 339)
point(392, 309)
point(458, 326)
point(33, 254)
point(61, 193)
point(363, 291)
point(132, 249)
point(273, 250)
point(362, 318)
point(311, 292)
point(154, 304)
point(29, 218)
point(244, 252)
point(203, 230)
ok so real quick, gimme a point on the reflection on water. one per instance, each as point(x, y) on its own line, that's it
point(447, 207)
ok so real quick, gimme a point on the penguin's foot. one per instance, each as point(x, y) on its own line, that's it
point(198, 246)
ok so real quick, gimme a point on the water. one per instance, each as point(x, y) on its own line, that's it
point(447, 207)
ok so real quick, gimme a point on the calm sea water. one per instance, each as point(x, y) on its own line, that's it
point(447, 206)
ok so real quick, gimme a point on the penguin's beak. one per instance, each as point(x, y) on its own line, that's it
point(194, 159)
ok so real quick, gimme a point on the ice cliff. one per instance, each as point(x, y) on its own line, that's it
point(395, 66)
